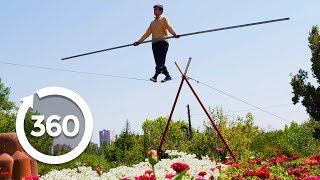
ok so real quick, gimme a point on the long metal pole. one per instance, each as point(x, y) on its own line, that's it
point(182, 35)
point(208, 115)
point(173, 107)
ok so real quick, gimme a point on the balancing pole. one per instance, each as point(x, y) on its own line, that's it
point(173, 107)
point(182, 35)
point(208, 115)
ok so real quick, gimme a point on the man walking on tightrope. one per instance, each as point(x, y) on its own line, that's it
point(158, 28)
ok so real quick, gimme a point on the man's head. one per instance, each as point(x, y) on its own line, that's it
point(157, 9)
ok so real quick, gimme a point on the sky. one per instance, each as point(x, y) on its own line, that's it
point(252, 64)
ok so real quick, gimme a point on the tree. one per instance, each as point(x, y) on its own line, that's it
point(8, 122)
point(125, 139)
point(42, 144)
point(5, 104)
point(237, 132)
point(304, 90)
point(6, 118)
point(128, 147)
point(177, 137)
point(93, 149)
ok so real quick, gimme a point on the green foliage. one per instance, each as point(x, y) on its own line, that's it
point(279, 171)
point(243, 136)
point(202, 144)
point(304, 90)
point(111, 153)
point(7, 119)
point(93, 149)
point(293, 140)
point(300, 137)
point(177, 136)
point(126, 150)
point(238, 133)
point(8, 122)
point(42, 144)
point(5, 104)
point(62, 150)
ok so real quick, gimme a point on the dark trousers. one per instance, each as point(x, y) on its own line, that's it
point(160, 50)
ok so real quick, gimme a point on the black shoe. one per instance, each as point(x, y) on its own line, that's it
point(153, 79)
point(168, 78)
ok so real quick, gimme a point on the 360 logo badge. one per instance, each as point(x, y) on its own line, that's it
point(54, 122)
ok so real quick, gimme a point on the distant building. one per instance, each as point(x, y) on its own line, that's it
point(107, 135)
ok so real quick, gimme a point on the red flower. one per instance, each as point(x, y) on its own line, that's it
point(125, 178)
point(317, 156)
point(170, 176)
point(249, 173)
point(311, 161)
point(295, 157)
point(219, 148)
point(99, 170)
point(312, 178)
point(178, 167)
point(202, 173)
point(272, 159)
point(290, 159)
point(148, 172)
point(277, 150)
point(294, 171)
point(250, 163)
point(145, 177)
point(237, 165)
point(281, 159)
point(212, 169)
point(228, 162)
point(299, 172)
point(218, 167)
point(262, 173)
point(258, 161)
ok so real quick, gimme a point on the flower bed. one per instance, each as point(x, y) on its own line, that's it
point(277, 167)
point(186, 166)
point(163, 168)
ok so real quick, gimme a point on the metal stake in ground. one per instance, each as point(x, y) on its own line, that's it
point(182, 35)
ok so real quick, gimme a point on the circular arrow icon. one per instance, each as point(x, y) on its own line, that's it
point(27, 103)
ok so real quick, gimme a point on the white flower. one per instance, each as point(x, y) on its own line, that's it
point(163, 167)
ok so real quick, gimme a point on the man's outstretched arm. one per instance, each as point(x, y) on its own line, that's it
point(145, 36)
point(170, 28)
